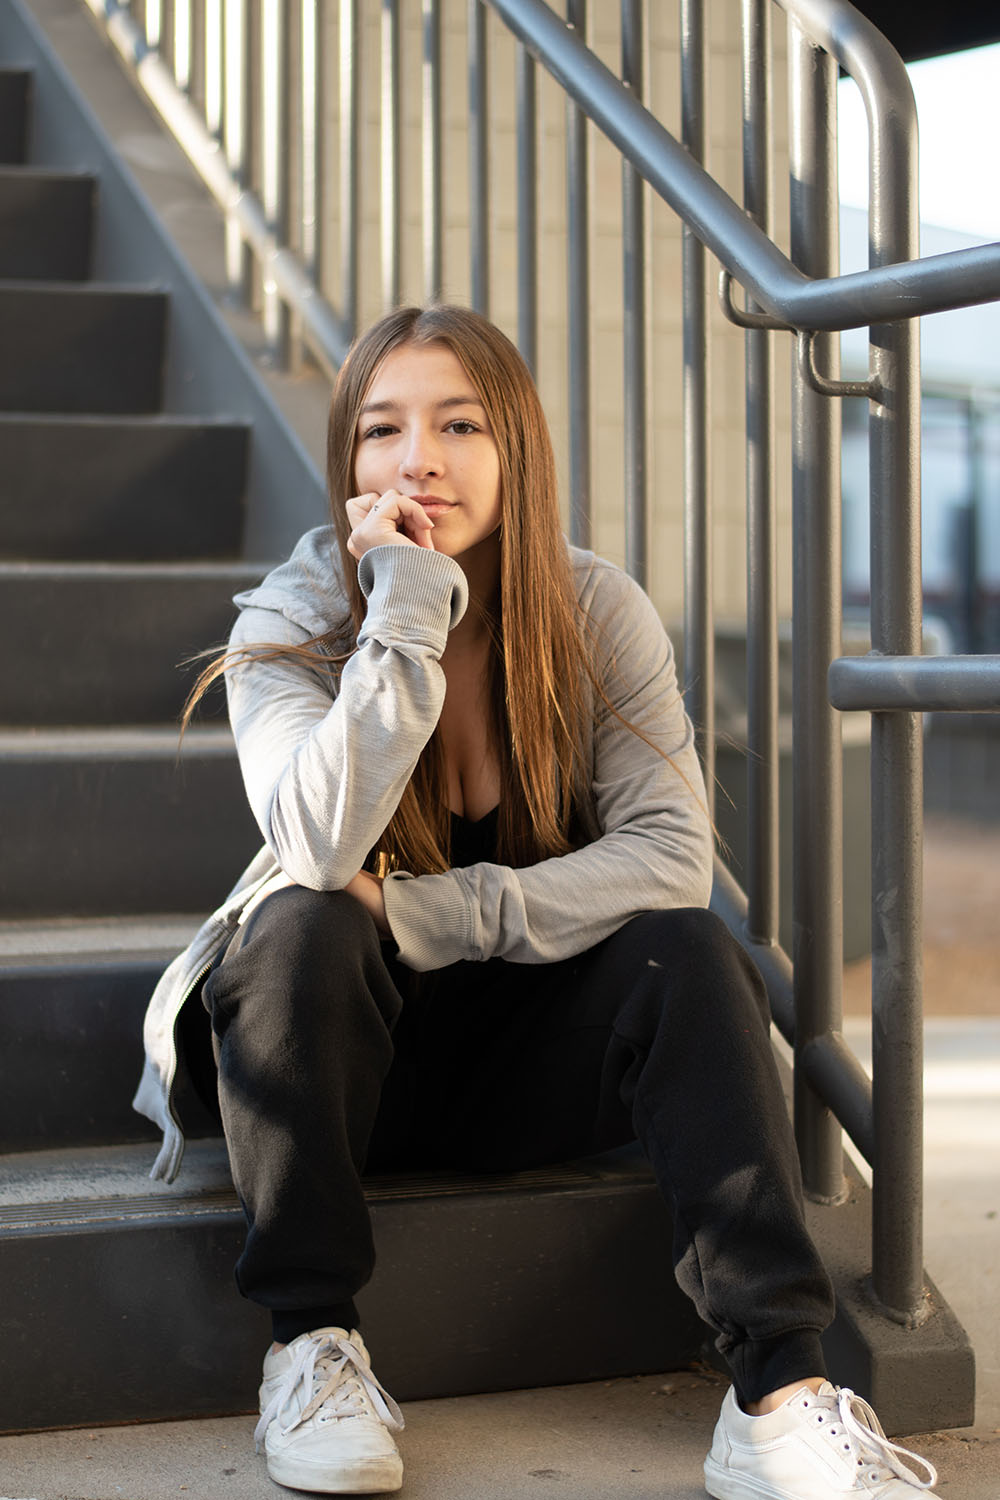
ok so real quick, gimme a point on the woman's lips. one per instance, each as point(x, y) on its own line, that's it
point(433, 504)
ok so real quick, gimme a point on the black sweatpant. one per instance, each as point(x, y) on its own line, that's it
point(333, 1057)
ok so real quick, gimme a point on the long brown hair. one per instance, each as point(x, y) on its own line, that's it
point(538, 668)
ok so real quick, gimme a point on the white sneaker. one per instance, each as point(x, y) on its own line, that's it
point(326, 1422)
point(814, 1447)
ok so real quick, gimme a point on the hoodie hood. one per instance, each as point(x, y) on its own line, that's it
point(308, 589)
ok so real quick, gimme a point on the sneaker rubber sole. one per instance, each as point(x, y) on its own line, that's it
point(362, 1476)
point(723, 1484)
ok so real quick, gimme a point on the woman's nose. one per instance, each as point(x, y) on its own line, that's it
point(422, 454)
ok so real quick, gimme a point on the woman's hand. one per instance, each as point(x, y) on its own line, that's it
point(368, 890)
point(392, 517)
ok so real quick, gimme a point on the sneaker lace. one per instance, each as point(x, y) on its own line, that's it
point(868, 1444)
point(349, 1385)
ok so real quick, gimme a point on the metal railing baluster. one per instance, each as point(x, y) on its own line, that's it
point(235, 63)
point(479, 167)
point(817, 797)
point(310, 84)
point(699, 642)
point(274, 149)
point(391, 152)
point(527, 207)
point(212, 53)
point(634, 319)
point(762, 608)
point(432, 190)
point(578, 304)
point(350, 148)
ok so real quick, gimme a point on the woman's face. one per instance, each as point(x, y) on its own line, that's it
point(423, 431)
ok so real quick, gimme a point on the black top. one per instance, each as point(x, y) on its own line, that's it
point(474, 843)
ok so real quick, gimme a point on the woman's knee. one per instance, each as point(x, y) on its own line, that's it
point(701, 963)
point(305, 959)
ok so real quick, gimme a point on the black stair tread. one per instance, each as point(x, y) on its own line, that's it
point(83, 347)
point(107, 643)
point(44, 943)
point(120, 488)
point(229, 570)
point(68, 742)
point(46, 222)
point(15, 96)
point(578, 1255)
point(88, 1185)
point(114, 822)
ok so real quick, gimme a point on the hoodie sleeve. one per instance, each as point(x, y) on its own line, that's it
point(654, 850)
point(324, 773)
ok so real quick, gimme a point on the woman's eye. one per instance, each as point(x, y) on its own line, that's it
point(381, 429)
point(462, 425)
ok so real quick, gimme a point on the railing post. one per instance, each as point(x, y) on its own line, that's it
point(699, 640)
point(897, 747)
point(392, 164)
point(634, 290)
point(350, 155)
point(578, 304)
point(432, 197)
point(275, 150)
point(762, 618)
point(235, 134)
point(527, 208)
point(817, 817)
point(479, 166)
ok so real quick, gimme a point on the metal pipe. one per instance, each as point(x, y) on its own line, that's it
point(182, 43)
point(578, 301)
point(634, 289)
point(350, 157)
point(958, 279)
point(762, 616)
point(699, 638)
point(392, 157)
point(432, 195)
point(897, 745)
point(919, 684)
point(831, 1067)
point(235, 133)
point(527, 208)
point(311, 135)
point(479, 168)
point(213, 66)
point(274, 131)
point(817, 796)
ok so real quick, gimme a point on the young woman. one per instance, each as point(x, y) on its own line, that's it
point(477, 935)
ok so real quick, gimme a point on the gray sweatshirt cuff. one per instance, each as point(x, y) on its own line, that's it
point(432, 920)
point(413, 594)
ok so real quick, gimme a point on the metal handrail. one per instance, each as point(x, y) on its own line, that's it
point(937, 283)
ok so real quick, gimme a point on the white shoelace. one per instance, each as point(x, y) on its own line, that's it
point(348, 1377)
point(868, 1444)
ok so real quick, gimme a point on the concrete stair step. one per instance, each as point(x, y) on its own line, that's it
point(89, 348)
point(72, 999)
point(117, 489)
point(115, 822)
point(102, 643)
point(46, 221)
point(532, 1278)
point(15, 96)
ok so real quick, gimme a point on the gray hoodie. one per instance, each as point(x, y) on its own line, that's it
point(326, 754)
